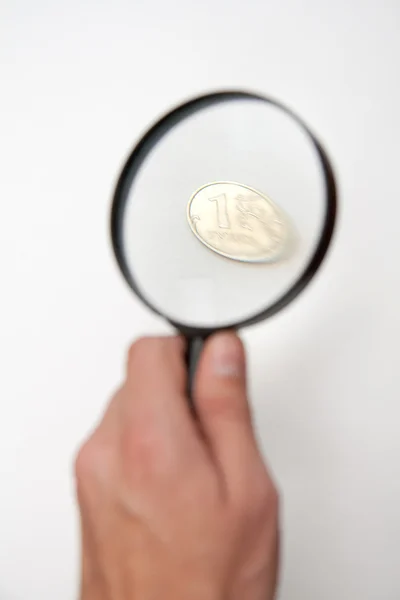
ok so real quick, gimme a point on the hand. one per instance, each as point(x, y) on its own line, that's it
point(177, 507)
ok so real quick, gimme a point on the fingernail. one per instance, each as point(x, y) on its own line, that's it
point(227, 355)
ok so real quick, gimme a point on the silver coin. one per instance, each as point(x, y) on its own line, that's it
point(239, 222)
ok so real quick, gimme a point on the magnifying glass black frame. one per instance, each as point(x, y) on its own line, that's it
point(196, 335)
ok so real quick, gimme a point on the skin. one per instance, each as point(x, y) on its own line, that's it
point(175, 506)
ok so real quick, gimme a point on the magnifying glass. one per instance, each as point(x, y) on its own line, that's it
point(222, 214)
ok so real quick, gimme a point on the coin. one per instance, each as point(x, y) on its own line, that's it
point(238, 222)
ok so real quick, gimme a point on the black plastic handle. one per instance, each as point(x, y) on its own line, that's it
point(193, 351)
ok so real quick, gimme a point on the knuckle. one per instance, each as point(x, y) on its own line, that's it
point(258, 495)
point(86, 461)
point(92, 463)
point(266, 496)
point(273, 493)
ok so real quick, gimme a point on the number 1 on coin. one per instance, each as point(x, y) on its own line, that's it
point(222, 211)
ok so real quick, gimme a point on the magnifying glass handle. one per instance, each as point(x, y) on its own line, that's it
point(193, 351)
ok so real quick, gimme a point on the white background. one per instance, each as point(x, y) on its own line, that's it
point(79, 82)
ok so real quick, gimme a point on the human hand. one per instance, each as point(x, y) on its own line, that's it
point(173, 506)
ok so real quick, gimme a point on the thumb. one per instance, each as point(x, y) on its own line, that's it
point(221, 401)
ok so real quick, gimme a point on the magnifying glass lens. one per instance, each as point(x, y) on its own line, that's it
point(224, 213)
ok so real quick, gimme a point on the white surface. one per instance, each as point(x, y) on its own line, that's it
point(79, 82)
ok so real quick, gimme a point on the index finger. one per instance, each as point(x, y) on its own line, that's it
point(155, 412)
